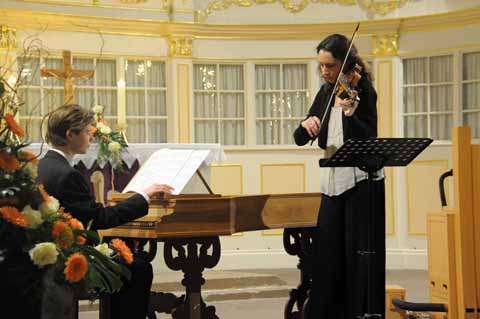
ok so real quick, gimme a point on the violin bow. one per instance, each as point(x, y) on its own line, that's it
point(338, 78)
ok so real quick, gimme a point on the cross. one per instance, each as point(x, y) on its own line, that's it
point(67, 74)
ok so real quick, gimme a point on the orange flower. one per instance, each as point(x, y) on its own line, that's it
point(75, 268)
point(43, 192)
point(9, 162)
point(13, 125)
point(93, 130)
point(66, 216)
point(63, 234)
point(122, 249)
point(12, 215)
point(28, 156)
point(102, 120)
point(76, 224)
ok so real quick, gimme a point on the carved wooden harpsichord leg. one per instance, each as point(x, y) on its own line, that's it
point(191, 255)
point(301, 247)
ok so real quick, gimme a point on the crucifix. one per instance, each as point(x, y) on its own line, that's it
point(67, 74)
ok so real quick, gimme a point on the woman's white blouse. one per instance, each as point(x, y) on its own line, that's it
point(336, 180)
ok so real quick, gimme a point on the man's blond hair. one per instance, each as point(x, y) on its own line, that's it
point(67, 117)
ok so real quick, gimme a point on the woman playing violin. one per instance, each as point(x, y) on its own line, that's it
point(339, 273)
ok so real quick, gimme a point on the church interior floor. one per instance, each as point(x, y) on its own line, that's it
point(260, 293)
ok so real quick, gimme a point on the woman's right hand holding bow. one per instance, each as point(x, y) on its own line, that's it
point(312, 125)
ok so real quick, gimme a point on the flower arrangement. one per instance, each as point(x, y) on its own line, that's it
point(110, 143)
point(33, 222)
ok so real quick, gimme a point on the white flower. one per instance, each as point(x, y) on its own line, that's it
point(43, 254)
point(33, 217)
point(98, 109)
point(31, 169)
point(49, 207)
point(104, 249)
point(105, 129)
point(114, 146)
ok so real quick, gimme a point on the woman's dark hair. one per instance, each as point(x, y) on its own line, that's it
point(337, 45)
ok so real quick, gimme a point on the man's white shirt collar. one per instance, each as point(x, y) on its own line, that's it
point(67, 157)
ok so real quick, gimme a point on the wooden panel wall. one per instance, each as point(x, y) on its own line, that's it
point(422, 192)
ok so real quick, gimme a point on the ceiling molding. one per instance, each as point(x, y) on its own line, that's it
point(372, 7)
point(288, 5)
point(24, 19)
point(91, 4)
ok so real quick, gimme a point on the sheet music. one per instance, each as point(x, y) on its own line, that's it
point(168, 166)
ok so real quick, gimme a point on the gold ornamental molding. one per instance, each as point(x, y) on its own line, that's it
point(381, 7)
point(122, 5)
point(385, 44)
point(291, 6)
point(372, 7)
point(180, 46)
point(133, 1)
point(30, 20)
point(8, 38)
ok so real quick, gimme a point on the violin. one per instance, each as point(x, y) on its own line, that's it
point(347, 84)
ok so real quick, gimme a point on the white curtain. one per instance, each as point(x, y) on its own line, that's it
point(135, 100)
point(268, 132)
point(206, 131)
point(415, 126)
point(471, 92)
point(53, 90)
point(155, 74)
point(267, 77)
point(84, 88)
point(31, 97)
point(146, 108)
point(135, 130)
point(31, 112)
point(281, 100)
point(135, 73)
point(428, 80)
point(205, 105)
point(415, 71)
point(157, 130)
point(84, 64)
point(219, 104)
point(156, 101)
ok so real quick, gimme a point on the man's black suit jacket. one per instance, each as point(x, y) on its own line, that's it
point(67, 185)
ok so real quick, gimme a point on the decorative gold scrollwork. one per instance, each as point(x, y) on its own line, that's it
point(381, 7)
point(133, 1)
point(289, 5)
point(373, 7)
point(180, 46)
point(385, 44)
point(8, 38)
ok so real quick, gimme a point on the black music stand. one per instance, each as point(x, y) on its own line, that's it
point(371, 155)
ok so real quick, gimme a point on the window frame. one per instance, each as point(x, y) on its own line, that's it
point(281, 92)
point(122, 71)
point(455, 94)
point(218, 92)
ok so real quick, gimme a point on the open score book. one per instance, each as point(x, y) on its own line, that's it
point(174, 167)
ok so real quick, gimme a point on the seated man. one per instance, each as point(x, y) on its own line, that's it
point(68, 133)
